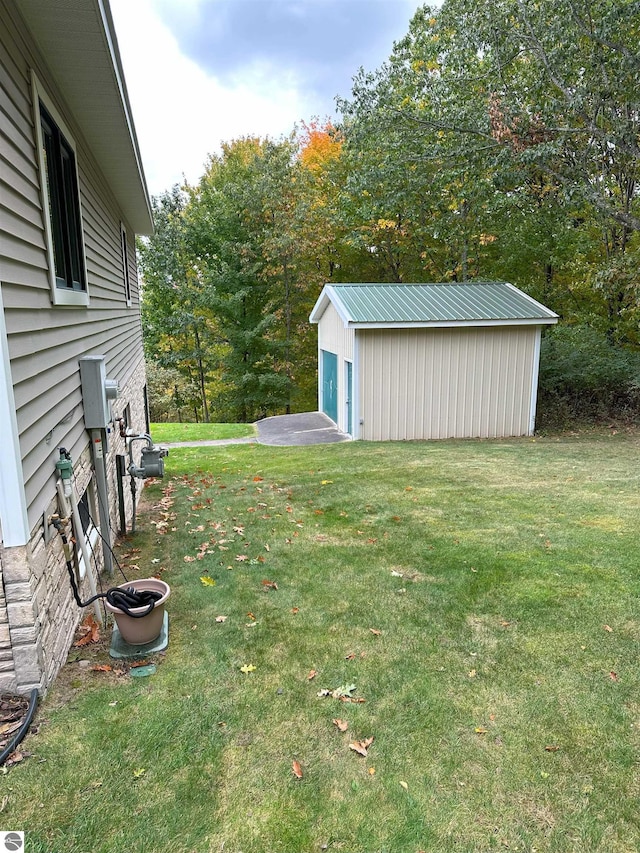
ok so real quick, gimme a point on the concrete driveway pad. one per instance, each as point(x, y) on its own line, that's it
point(305, 428)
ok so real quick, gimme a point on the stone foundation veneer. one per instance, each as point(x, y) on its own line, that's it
point(38, 615)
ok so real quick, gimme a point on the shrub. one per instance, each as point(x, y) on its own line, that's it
point(583, 377)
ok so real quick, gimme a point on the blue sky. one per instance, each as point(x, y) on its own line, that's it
point(200, 72)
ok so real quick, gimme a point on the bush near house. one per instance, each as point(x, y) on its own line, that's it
point(584, 377)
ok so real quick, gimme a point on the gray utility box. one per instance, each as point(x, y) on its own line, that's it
point(97, 391)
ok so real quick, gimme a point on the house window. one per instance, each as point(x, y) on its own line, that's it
point(125, 264)
point(87, 512)
point(61, 204)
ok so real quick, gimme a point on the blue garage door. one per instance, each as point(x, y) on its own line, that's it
point(330, 385)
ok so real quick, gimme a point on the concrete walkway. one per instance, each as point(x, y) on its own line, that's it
point(282, 431)
point(305, 428)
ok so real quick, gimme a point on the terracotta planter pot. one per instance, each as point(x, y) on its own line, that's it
point(139, 632)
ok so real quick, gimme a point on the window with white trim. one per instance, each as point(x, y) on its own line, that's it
point(61, 204)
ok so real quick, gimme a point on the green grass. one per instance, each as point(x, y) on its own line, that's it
point(199, 432)
point(490, 570)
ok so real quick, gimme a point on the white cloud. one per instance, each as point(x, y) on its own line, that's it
point(181, 113)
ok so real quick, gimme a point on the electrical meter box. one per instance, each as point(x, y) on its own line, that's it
point(97, 391)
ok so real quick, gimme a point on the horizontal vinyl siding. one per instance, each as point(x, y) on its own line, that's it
point(446, 383)
point(45, 341)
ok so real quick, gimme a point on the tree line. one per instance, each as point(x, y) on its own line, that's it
point(500, 141)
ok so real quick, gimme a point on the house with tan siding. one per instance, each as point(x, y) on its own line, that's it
point(427, 361)
point(72, 199)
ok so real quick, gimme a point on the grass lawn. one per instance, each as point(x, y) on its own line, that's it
point(475, 605)
point(199, 432)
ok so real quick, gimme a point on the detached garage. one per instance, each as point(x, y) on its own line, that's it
point(425, 361)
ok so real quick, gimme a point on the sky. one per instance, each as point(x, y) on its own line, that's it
point(202, 72)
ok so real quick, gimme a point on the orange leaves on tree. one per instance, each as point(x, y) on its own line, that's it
point(319, 145)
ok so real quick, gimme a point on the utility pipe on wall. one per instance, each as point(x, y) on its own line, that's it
point(98, 446)
point(66, 491)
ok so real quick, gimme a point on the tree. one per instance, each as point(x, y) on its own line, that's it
point(223, 223)
point(178, 328)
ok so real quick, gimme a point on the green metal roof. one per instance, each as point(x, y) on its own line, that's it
point(397, 305)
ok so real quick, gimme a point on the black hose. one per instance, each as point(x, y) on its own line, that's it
point(124, 599)
point(24, 728)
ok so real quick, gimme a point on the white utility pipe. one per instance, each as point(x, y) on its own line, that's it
point(80, 539)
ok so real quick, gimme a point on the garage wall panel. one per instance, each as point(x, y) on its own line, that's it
point(445, 383)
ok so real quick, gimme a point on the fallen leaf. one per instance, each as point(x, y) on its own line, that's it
point(341, 725)
point(375, 631)
point(361, 746)
point(258, 479)
point(297, 769)
point(189, 559)
point(350, 656)
point(480, 730)
point(613, 676)
point(404, 785)
point(312, 675)
point(102, 667)
point(242, 558)
point(139, 772)
point(250, 615)
point(325, 482)
point(221, 618)
point(552, 748)
point(472, 673)
point(247, 667)
point(207, 581)
point(608, 628)
point(295, 610)
point(269, 584)
point(89, 631)
point(372, 771)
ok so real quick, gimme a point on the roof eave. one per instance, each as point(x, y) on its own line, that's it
point(108, 126)
point(455, 324)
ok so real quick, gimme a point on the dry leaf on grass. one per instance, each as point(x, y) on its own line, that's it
point(269, 584)
point(312, 674)
point(361, 746)
point(341, 725)
point(297, 769)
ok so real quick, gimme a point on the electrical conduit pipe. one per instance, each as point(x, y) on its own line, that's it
point(65, 491)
